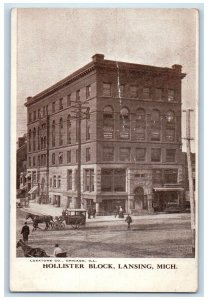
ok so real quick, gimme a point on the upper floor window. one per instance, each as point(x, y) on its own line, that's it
point(88, 91)
point(170, 175)
point(30, 137)
point(88, 124)
point(155, 125)
point(158, 94)
point(170, 155)
point(34, 161)
point(53, 107)
point(140, 154)
point(30, 117)
point(78, 95)
point(59, 181)
point(140, 124)
point(121, 90)
point(53, 158)
point(89, 180)
point(39, 113)
point(107, 89)
point(29, 161)
point(69, 180)
point(88, 158)
point(54, 181)
point(53, 134)
point(60, 158)
point(69, 129)
point(34, 139)
point(69, 100)
point(146, 93)
point(155, 154)
point(157, 176)
point(108, 123)
point(34, 115)
point(44, 111)
point(124, 154)
point(170, 126)
point(61, 103)
point(38, 138)
point(61, 132)
point(108, 153)
point(171, 95)
point(69, 156)
point(76, 158)
point(133, 91)
point(124, 123)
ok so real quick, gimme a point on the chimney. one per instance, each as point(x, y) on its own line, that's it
point(98, 58)
point(177, 68)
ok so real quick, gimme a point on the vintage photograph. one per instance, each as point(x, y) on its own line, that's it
point(105, 107)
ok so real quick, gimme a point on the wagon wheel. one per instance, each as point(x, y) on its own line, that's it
point(76, 224)
point(62, 226)
point(56, 226)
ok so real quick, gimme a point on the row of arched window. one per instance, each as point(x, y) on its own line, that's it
point(139, 124)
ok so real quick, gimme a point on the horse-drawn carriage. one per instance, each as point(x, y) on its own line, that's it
point(74, 217)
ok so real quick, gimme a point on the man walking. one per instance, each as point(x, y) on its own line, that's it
point(128, 220)
point(25, 232)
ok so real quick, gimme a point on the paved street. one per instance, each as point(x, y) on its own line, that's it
point(150, 236)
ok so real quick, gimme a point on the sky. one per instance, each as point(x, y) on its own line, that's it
point(53, 43)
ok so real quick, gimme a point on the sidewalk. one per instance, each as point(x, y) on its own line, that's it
point(49, 209)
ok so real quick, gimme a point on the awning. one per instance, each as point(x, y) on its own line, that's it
point(168, 189)
point(28, 175)
point(33, 189)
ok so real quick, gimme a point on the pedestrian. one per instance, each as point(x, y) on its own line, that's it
point(121, 212)
point(57, 250)
point(128, 221)
point(94, 212)
point(89, 213)
point(25, 232)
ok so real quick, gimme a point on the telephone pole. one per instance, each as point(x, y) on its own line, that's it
point(190, 179)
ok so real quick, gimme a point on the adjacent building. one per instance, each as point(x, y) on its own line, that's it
point(131, 153)
point(21, 165)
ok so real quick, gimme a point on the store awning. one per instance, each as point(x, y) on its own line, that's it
point(28, 175)
point(168, 189)
point(33, 189)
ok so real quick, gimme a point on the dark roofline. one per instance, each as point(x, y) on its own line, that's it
point(99, 61)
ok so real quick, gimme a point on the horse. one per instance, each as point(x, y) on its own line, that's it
point(31, 252)
point(48, 220)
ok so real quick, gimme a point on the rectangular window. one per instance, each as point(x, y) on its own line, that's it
point(76, 158)
point(158, 94)
point(34, 115)
point(121, 92)
point(78, 95)
point(170, 175)
point(88, 154)
point(69, 156)
point(89, 180)
point(88, 91)
point(33, 161)
point(133, 91)
point(171, 95)
point(59, 181)
point(44, 111)
point(170, 155)
point(124, 154)
point(146, 93)
point(60, 157)
point(69, 100)
point(51, 182)
point(53, 107)
point(38, 160)
point(157, 176)
point(53, 158)
point(29, 161)
point(39, 113)
point(69, 180)
point(155, 154)
point(54, 181)
point(61, 103)
point(140, 154)
point(30, 117)
point(107, 89)
point(113, 180)
point(170, 135)
point(155, 135)
point(108, 153)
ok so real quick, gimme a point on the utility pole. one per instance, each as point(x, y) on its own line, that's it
point(79, 153)
point(190, 179)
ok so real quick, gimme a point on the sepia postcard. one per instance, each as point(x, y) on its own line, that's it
point(104, 150)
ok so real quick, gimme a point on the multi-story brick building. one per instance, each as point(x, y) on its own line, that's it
point(130, 137)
